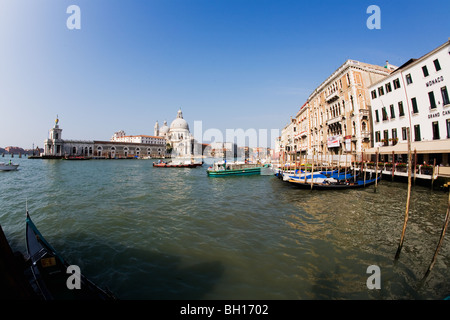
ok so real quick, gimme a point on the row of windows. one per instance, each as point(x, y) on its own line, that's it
point(88, 151)
point(395, 83)
point(401, 112)
point(335, 110)
point(334, 87)
point(417, 135)
point(124, 148)
point(148, 141)
point(437, 66)
point(415, 107)
point(408, 78)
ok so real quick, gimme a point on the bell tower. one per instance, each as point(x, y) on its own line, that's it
point(156, 131)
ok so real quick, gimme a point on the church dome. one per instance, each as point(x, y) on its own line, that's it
point(164, 129)
point(179, 122)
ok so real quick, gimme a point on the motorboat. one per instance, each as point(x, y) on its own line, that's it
point(8, 166)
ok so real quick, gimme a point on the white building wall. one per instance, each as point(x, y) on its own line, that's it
point(140, 139)
point(394, 98)
point(419, 89)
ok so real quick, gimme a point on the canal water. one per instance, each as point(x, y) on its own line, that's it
point(165, 233)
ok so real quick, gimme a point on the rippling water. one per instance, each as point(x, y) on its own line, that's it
point(156, 233)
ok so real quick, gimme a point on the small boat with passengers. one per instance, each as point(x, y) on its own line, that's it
point(8, 166)
point(177, 164)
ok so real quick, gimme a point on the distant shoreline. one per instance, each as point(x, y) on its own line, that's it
point(19, 150)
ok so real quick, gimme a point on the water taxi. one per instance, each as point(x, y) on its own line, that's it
point(225, 168)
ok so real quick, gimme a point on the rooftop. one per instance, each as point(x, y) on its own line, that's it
point(412, 62)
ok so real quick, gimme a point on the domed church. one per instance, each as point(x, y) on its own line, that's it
point(178, 136)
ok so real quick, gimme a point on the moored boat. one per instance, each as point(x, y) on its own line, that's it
point(339, 185)
point(50, 271)
point(301, 175)
point(77, 158)
point(318, 176)
point(224, 168)
point(180, 164)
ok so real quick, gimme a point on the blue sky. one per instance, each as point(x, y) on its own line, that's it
point(229, 63)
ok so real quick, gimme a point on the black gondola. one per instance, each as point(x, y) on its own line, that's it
point(50, 275)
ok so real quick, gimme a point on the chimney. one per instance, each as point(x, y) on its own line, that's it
point(387, 64)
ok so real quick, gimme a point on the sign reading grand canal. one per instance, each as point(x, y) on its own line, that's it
point(433, 115)
point(438, 114)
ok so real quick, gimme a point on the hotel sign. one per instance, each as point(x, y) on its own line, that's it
point(437, 80)
point(348, 143)
point(333, 141)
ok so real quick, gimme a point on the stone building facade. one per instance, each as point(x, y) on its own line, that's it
point(339, 109)
point(56, 147)
point(336, 118)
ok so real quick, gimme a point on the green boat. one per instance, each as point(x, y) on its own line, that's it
point(235, 169)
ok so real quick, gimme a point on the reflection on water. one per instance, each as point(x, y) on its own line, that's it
point(165, 233)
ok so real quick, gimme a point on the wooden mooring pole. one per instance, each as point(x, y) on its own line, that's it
point(415, 165)
point(321, 160)
point(393, 165)
point(339, 162)
point(441, 239)
point(362, 164)
point(432, 174)
point(312, 170)
point(402, 238)
point(376, 171)
point(345, 176)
